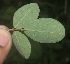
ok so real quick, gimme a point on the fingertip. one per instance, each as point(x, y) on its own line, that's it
point(3, 27)
point(5, 36)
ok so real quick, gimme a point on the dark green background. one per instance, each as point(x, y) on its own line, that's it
point(58, 53)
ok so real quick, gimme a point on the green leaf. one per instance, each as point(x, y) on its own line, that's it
point(45, 30)
point(22, 44)
point(25, 14)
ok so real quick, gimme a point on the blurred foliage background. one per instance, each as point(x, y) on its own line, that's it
point(58, 53)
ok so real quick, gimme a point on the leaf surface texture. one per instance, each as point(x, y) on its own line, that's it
point(45, 30)
point(22, 44)
point(25, 14)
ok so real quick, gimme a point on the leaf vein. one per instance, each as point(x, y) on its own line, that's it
point(23, 17)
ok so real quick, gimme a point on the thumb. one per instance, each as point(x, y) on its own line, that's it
point(5, 42)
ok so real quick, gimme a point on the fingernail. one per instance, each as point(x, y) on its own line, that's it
point(4, 38)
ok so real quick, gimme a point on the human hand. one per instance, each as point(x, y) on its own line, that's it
point(5, 42)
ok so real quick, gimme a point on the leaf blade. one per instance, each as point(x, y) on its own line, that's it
point(45, 30)
point(22, 44)
point(25, 14)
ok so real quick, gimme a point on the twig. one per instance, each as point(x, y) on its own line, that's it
point(14, 29)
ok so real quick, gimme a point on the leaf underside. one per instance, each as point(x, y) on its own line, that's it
point(25, 14)
point(45, 30)
point(22, 44)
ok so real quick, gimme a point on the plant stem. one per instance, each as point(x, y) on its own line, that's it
point(14, 29)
